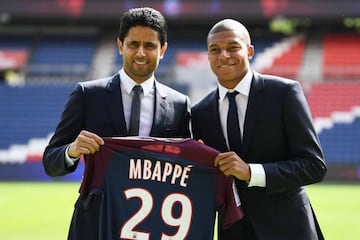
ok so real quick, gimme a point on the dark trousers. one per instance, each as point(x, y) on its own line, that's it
point(241, 230)
point(85, 219)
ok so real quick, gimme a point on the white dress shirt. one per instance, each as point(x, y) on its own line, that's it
point(257, 170)
point(147, 106)
point(147, 101)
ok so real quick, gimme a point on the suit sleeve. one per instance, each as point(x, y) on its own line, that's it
point(66, 131)
point(306, 164)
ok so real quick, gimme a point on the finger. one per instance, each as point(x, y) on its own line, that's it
point(226, 170)
point(84, 150)
point(217, 160)
point(93, 136)
point(231, 169)
point(226, 165)
point(73, 150)
point(90, 147)
point(221, 157)
point(88, 142)
point(201, 141)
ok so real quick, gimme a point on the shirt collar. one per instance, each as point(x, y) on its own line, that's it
point(128, 83)
point(242, 87)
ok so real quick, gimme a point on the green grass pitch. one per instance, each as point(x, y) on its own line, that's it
point(42, 211)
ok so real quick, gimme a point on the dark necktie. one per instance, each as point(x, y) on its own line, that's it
point(135, 111)
point(233, 128)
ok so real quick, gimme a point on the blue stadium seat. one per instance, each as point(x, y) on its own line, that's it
point(341, 142)
point(63, 56)
point(30, 111)
point(15, 42)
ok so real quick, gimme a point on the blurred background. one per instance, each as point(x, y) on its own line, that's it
point(46, 46)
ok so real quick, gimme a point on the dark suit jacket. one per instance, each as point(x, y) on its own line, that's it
point(279, 134)
point(96, 106)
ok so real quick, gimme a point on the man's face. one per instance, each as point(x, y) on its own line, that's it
point(229, 55)
point(141, 52)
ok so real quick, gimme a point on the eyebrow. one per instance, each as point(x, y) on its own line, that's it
point(145, 42)
point(227, 43)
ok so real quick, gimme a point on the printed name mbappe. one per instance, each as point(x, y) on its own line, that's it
point(160, 171)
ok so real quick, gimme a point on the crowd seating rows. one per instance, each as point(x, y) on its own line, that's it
point(33, 110)
point(341, 56)
point(66, 55)
point(289, 62)
point(337, 103)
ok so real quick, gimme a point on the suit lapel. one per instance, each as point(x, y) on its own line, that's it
point(114, 106)
point(160, 110)
point(252, 110)
point(215, 132)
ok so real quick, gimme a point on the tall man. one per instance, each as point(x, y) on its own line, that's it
point(263, 127)
point(102, 107)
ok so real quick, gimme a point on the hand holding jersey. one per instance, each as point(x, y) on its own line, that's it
point(159, 189)
point(85, 143)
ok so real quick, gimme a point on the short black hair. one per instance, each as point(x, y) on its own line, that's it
point(144, 16)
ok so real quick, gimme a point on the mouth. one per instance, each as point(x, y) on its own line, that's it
point(225, 66)
point(140, 61)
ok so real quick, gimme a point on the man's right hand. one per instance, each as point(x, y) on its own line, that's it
point(85, 143)
point(231, 164)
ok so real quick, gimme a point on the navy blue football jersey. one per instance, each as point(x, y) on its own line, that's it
point(156, 188)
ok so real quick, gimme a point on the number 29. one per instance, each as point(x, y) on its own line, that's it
point(182, 222)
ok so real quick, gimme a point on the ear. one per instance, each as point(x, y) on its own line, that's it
point(251, 51)
point(120, 45)
point(163, 50)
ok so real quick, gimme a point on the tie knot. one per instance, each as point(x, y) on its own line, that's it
point(231, 95)
point(137, 89)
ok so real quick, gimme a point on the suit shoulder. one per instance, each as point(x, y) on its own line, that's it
point(101, 82)
point(275, 86)
point(206, 100)
point(277, 80)
point(98, 86)
point(165, 90)
point(274, 83)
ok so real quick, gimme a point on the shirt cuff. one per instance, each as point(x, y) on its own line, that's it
point(69, 161)
point(258, 178)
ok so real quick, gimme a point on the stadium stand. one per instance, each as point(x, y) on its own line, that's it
point(30, 111)
point(56, 61)
point(341, 142)
point(263, 43)
point(14, 53)
point(28, 116)
point(62, 58)
point(341, 59)
point(283, 58)
point(10, 42)
point(336, 111)
point(325, 98)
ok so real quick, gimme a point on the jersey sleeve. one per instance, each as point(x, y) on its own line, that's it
point(229, 210)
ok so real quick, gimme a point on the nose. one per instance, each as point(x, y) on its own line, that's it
point(224, 53)
point(140, 51)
